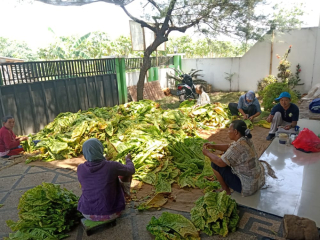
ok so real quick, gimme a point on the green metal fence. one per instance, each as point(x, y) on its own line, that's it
point(27, 72)
point(136, 63)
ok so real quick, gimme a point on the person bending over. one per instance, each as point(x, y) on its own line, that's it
point(104, 183)
point(284, 114)
point(239, 167)
point(248, 106)
point(9, 142)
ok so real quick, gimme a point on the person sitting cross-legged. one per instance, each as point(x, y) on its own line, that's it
point(284, 114)
point(9, 142)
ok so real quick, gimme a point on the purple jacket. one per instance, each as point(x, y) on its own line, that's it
point(101, 190)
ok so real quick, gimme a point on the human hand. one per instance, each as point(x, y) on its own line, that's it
point(205, 151)
point(21, 138)
point(287, 127)
point(208, 146)
point(245, 117)
point(129, 156)
point(269, 119)
point(251, 118)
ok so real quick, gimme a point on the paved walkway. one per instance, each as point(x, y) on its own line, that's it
point(17, 179)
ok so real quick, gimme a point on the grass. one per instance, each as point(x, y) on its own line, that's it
point(172, 102)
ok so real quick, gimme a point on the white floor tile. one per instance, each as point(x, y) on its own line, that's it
point(310, 212)
point(296, 191)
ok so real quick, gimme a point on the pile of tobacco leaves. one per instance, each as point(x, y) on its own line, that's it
point(215, 213)
point(45, 212)
point(172, 226)
point(163, 143)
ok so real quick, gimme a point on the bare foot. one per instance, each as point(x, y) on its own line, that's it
point(228, 191)
point(221, 190)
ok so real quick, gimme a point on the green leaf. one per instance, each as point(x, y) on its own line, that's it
point(172, 226)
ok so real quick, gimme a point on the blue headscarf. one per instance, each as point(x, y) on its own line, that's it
point(93, 150)
point(250, 95)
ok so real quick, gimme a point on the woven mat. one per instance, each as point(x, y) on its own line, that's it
point(151, 91)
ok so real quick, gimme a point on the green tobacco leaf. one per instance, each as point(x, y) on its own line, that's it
point(57, 146)
point(215, 213)
point(172, 226)
point(162, 184)
point(46, 212)
point(150, 178)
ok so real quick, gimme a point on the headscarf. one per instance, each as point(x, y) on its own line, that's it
point(250, 95)
point(93, 150)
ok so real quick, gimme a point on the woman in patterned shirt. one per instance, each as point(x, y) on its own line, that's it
point(239, 167)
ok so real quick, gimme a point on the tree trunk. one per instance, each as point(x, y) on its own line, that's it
point(147, 64)
point(143, 71)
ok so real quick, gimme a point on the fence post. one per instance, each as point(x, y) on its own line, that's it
point(156, 73)
point(177, 62)
point(121, 79)
point(151, 74)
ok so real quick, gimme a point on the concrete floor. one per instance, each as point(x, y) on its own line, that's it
point(296, 191)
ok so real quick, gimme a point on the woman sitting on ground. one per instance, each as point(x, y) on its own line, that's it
point(9, 143)
point(104, 183)
point(203, 96)
point(239, 167)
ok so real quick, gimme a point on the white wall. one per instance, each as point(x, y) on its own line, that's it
point(254, 65)
point(214, 70)
point(316, 65)
point(133, 77)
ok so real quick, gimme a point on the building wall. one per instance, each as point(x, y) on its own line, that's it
point(255, 64)
point(133, 77)
point(316, 65)
point(213, 71)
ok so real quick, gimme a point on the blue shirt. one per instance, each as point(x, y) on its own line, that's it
point(289, 115)
point(244, 105)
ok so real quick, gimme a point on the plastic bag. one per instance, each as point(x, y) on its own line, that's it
point(315, 106)
point(307, 141)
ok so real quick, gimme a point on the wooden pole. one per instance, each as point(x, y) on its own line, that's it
point(272, 40)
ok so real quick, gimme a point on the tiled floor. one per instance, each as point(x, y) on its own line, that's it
point(17, 179)
point(296, 191)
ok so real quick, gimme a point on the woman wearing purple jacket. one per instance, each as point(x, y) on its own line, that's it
point(103, 183)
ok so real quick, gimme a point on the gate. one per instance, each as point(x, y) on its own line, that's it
point(35, 97)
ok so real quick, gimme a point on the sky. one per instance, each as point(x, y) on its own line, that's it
point(30, 22)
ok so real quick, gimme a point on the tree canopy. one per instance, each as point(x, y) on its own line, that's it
point(16, 49)
point(211, 17)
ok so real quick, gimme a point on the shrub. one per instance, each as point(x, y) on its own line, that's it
point(272, 91)
point(265, 82)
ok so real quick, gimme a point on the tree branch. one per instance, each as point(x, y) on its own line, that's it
point(184, 28)
point(155, 5)
point(165, 25)
point(142, 23)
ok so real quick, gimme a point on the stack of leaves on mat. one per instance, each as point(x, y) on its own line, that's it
point(163, 143)
point(172, 226)
point(46, 212)
point(215, 213)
